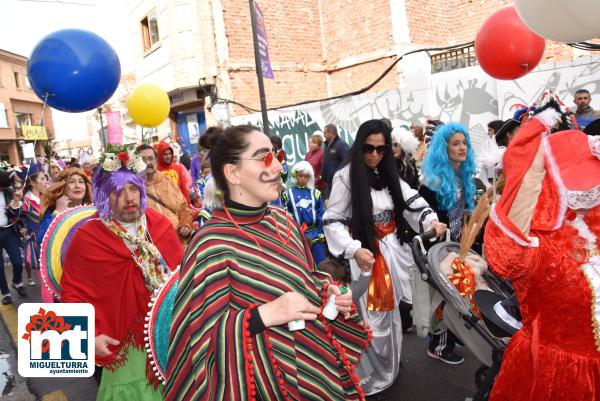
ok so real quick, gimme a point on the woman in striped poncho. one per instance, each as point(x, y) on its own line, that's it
point(245, 275)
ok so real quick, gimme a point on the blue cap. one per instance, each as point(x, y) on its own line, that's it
point(29, 171)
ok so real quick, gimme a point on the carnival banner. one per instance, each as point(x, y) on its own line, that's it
point(263, 45)
point(115, 133)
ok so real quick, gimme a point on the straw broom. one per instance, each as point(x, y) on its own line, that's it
point(473, 225)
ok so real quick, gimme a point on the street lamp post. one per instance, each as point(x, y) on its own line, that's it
point(22, 145)
point(102, 138)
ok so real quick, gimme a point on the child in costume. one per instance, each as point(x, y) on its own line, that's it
point(212, 200)
point(36, 183)
point(204, 178)
point(338, 269)
point(305, 203)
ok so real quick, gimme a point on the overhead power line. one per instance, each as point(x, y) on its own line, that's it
point(356, 92)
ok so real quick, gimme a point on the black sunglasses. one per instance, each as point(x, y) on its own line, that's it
point(368, 149)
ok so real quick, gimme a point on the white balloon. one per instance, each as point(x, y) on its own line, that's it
point(561, 20)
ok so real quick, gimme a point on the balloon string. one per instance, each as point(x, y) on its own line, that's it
point(44, 108)
point(41, 124)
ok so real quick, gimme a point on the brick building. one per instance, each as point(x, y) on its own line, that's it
point(20, 110)
point(318, 48)
point(447, 22)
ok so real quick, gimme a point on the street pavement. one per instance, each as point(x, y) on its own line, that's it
point(421, 378)
point(44, 389)
point(424, 379)
point(12, 386)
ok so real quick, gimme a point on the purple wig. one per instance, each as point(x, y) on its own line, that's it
point(105, 182)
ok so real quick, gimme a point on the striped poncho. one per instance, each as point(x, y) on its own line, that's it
point(224, 273)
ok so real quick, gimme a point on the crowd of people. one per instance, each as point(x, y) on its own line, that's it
point(266, 245)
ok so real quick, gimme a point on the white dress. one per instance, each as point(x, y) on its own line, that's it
point(379, 365)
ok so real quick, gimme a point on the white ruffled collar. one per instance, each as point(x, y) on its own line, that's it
point(590, 198)
point(594, 143)
point(582, 200)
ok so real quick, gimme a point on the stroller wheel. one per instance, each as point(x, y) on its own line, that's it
point(480, 375)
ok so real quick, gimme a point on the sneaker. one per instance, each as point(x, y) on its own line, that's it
point(31, 282)
point(20, 289)
point(6, 300)
point(449, 357)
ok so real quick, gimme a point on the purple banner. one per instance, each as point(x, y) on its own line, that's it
point(113, 121)
point(263, 46)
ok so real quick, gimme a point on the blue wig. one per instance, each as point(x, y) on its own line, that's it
point(439, 173)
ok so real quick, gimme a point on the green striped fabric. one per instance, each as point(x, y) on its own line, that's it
point(222, 274)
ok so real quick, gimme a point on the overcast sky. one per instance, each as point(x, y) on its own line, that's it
point(24, 22)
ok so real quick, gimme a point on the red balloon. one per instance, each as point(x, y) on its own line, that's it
point(505, 48)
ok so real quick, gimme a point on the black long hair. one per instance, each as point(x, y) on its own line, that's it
point(362, 179)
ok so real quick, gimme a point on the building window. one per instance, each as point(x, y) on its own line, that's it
point(3, 116)
point(150, 31)
point(18, 79)
point(453, 59)
point(24, 119)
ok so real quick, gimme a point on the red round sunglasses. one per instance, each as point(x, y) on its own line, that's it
point(268, 160)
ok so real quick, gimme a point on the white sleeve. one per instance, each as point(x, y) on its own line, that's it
point(336, 220)
point(422, 216)
point(482, 174)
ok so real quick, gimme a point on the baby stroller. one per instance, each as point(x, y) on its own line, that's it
point(457, 312)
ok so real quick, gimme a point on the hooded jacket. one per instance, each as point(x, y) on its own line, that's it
point(172, 170)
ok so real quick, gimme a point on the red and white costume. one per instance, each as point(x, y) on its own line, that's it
point(544, 236)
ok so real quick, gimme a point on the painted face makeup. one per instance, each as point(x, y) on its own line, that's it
point(264, 178)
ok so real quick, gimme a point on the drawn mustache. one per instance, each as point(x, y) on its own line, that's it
point(264, 178)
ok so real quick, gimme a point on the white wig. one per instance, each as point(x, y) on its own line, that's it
point(211, 199)
point(306, 168)
point(406, 139)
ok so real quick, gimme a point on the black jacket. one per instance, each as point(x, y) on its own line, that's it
point(431, 198)
point(334, 157)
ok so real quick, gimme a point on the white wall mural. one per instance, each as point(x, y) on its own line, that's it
point(467, 95)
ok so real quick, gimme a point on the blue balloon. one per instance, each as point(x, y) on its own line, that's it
point(76, 69)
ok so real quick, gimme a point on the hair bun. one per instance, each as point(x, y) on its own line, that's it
point(211, 137)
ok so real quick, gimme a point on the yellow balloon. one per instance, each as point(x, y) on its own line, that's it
point(148, 105)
